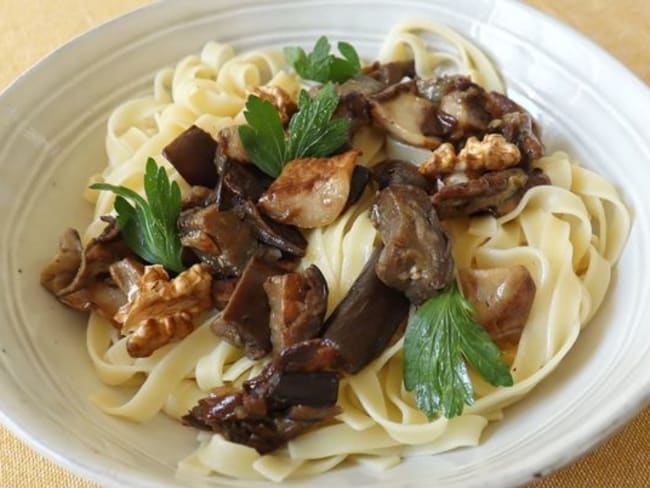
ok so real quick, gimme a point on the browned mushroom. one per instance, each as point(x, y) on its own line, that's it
point(496, 192)
point(502, 300)
point(467, 107)
point(298, 303)
point(192, 154)
point(197, 196)
point(163, 309)
point(361, 176)
point(222, 290)
point(310, 192)
point(391, 73)
point(127, 274)
point(284, 237)
point(405, 115)
point(219, 238)
point(245, 320)
point(239, 183)
point(416, 257)
point(293, 394)
point(397, 172)
point(80, 278)
point(353, 100)
point(364, 322)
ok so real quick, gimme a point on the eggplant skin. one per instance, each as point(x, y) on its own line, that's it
point(366, 319)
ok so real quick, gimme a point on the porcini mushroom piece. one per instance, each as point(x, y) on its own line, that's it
point(192, 154)
point(79, 277)
point(406, 116)
point(364, 322)
point(245, 320)
point(416, 257)
point(298, 303)
point(502, 300)
point(310, 192)
point(219, 238)
point(496, 192)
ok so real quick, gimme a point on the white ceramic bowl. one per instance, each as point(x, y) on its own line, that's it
point(52, 123)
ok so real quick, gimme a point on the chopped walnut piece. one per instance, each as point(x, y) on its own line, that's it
point(493, 153)
point(442, 162)
point(164, 309)
point(280, 100)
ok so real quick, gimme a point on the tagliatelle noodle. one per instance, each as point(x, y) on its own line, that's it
point(567, 235)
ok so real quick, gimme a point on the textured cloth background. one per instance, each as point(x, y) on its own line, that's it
point(29, 29)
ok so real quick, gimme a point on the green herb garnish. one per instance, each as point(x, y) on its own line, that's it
point(320, 65)
point(312, 132)
point(439, 339)
point(149, 228)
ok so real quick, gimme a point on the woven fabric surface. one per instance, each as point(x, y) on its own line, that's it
point(32, 28)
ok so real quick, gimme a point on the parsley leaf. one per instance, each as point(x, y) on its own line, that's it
point(149, 228)
point(312, 132)
point(320, 65)
point(439, 339)
point(263, 137)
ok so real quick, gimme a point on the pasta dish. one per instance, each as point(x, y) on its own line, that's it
point(314, 260)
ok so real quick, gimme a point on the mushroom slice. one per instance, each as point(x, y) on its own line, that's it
point(245, 320)
point(222, 290)
point(496, 192)
point(364, 322)
point(127, 274)
point(391, 73)
point(398, 172)
point(467, 107)
point(298, 304)
point(219, 238)
point(310, 192)
point(502, 300)
point(163, 309)
point(353, 100)
point(238, 183)
point(286, 399)
point(284, 237)
point(80, 277)
point(192, 154)
point(361, 176)
point(416, 257)
point(406, 116)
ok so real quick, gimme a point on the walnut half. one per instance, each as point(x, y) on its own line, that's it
point(163, 309)
point(493, 153)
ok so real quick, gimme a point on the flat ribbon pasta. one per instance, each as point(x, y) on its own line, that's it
point(568, 235)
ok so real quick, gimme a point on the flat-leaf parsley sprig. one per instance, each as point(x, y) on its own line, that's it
point(320, 65)
point(440, 337)
point(312, 131)
point(149, 227)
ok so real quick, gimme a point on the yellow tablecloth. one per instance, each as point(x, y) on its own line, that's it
point(29, 29)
